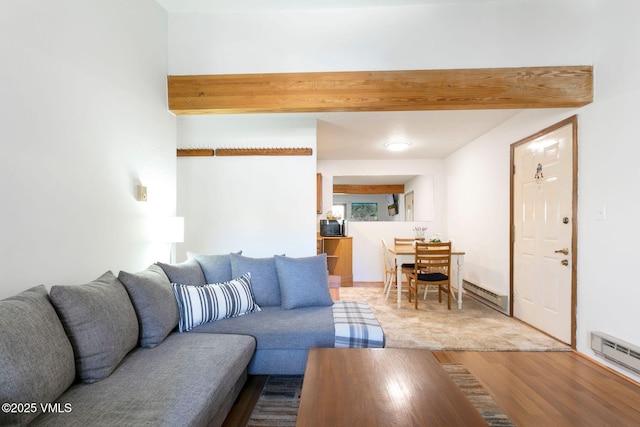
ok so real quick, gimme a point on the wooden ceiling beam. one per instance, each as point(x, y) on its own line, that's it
point(368, 189)
point(458, 89)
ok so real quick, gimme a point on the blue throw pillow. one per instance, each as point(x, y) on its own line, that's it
point(216, 268)
point(264, 278)
point(304, 282)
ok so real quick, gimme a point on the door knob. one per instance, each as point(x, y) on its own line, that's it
point(564, 251)
point(564, 262)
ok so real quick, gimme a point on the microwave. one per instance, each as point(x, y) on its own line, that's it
point(333, 228)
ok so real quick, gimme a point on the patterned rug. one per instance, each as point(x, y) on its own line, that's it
point(474, 328)
point(279, 401)
point(477, 395)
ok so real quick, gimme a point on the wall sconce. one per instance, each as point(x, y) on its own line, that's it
point(142, 193)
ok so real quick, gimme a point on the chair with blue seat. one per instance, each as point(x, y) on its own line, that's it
point(432, 268)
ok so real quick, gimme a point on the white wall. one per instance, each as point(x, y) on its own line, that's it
point(478, 177)
point(430, 207)
point(424, 197)
point(261, 205)
point(607, 176)
point(428, 186)
point(83, 119)
point(462, 34)
point(453, 35)
point(456, 34)
point(608, 292)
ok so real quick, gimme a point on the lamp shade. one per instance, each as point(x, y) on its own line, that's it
point(169, 229)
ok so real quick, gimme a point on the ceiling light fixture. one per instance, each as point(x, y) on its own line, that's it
point(397, 145)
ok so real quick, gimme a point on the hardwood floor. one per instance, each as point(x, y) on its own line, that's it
point(242, 408)
point(533, 388)
point(553, 388)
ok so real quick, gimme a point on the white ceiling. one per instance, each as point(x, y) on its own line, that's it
point(432, 134)
point(174, 6)
point(361, 136)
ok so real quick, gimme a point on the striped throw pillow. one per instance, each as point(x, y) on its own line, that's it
point(202, 304)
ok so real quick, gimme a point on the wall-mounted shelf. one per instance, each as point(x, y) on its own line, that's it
point(191, 152)
point(208, 152)
point(263, 151)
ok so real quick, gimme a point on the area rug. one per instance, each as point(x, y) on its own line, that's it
point(477, 395)
point(475, 327)
point(278, 403)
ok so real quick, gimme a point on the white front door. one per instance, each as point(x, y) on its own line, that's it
point(543, 232)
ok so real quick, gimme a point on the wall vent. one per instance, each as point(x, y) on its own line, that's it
point(494, 299)
point(617, 351)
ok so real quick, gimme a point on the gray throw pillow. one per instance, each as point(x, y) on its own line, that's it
point(304, 282)
point(185, 273)
point(216, 268)
point(100, 323)
point(264, 278)
point(36, 357)
point(154, 302)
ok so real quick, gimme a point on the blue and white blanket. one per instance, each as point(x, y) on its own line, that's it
point(356, 326)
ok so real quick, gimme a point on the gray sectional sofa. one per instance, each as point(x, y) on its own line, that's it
point(168, 346)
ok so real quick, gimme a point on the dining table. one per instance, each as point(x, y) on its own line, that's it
point(407, 254)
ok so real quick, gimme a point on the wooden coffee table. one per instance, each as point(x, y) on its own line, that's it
point(381, 387)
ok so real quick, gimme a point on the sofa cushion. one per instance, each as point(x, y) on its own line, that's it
point(100, 322)
point(216, 268)
point(186, 381)
point(155, 304)
point(202, 304)
point(185, 273)
point(36, 357)
point(304, 282)
point(264, 278)
point(278, 328)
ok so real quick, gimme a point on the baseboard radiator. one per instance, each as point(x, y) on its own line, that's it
point(615, 350)
point(494, 299)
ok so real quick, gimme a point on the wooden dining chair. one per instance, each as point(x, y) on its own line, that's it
point(390, 269)
point(404, 241)
point(432, 268)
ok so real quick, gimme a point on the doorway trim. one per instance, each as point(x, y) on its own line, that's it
point(408, 206)
point(573, 120)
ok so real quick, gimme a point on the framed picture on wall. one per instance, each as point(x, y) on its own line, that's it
point(392, 205)
point(364, 211)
